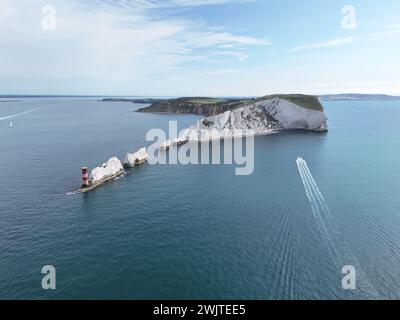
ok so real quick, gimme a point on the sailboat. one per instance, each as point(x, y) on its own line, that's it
point(11, 124)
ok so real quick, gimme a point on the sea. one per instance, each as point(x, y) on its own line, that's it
point(294, 229)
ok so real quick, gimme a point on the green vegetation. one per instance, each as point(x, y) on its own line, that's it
point(212, 106)
point(302, 100)
point(205, 100)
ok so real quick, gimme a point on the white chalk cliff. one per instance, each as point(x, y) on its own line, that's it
point(108, 170)
point(138, 157)
point(263, 117)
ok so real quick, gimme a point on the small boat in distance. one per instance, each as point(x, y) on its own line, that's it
point(11, 124)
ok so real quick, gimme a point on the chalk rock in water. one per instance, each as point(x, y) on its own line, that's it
point(165, 145)
point(134, 159)
point(108, 170)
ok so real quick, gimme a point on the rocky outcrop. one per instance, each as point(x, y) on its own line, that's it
point(201, 106)
point(137, 158)
point(262, 117)
point(109, 170)
point(213, 106)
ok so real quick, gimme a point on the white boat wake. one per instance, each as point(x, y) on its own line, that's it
point(317, 201)
point(323, 215)
point(11, 116)
point(313, 193)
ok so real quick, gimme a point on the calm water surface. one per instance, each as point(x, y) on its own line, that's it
point(196, 232)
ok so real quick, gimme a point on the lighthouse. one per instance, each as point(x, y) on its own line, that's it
point(85, 177)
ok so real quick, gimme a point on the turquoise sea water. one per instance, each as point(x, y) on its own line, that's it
point(196, 232)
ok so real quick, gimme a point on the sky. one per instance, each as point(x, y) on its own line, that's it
point(199, 47)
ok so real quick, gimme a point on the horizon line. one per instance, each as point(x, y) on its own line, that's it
point(172, 96)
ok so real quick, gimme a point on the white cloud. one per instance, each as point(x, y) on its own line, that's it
point(180, 3)
point(163, 4)
point(213, 38)
point(326, 44)
point(239, 55)
point(99, 49)
point(217, 72)
point(226, 46)
point(392, 31)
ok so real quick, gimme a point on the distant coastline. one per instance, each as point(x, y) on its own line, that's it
point(133, 100)
point(153, 99)
point(359, 97)
point(210, 106)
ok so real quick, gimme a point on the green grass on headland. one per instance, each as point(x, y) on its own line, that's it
point(205, 100)
point(302, 100)
point(212, 106)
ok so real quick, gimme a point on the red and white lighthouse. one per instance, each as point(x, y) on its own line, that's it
point(85, 177)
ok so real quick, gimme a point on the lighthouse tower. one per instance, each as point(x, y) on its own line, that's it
point(85, 177)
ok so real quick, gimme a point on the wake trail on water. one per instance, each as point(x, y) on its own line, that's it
point(11, 116)
point(317, 202)
point(283, 284)
point(323, 215)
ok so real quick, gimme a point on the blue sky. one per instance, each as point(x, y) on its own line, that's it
point(199, 47)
